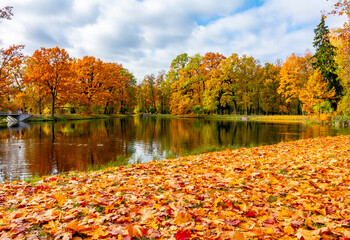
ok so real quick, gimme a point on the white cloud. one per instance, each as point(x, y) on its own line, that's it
point(146, 35)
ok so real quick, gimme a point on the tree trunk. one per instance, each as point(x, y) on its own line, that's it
point(235, 107)
point(301, 108)
point(53, 107)
point(105, 112)
point(40, 106)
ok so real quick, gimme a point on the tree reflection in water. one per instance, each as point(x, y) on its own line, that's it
point(51, 148)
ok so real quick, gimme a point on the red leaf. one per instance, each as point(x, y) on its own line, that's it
point(182, 235)
point(250, 213)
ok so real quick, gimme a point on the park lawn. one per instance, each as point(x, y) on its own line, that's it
point(292, 190)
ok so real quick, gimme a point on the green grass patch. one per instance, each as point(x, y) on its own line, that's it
point(162, 116)
point(223, 117)
point(33, 179)
point(208, 148)
point(121, 160)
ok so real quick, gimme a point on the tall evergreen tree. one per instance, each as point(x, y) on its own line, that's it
point(324, 59)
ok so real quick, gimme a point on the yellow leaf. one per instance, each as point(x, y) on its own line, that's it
point(269, 230)
point(51, 224)
point(59, 198)
point(109, 208)
point(322, 211)
point(182, 218)
point(217, 201)
point(199, 227)
point(306, 234)
point(85, 211)
point(154, 225)
point(308, 223)
point(289, 230)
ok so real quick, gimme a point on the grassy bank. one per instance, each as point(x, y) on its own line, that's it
point(3, 122)
point(264, 118)
point(271, 118)
point(67, 117)
point(292, 190)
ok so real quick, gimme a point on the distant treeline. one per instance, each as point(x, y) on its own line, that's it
point(51, 81)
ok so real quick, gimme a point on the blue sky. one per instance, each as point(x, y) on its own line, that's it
point(146, 35)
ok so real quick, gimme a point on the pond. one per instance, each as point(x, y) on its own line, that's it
point(50, 148)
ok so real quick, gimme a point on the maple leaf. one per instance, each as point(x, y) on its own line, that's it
point(135, 230)
point(183, 235)
point(182, 218)
point(60, 198)
point(306, 235)
point(250, 213)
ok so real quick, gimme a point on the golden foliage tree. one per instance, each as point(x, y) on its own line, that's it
point(187, 91)
point(293, 77)
point(248, 77)
point(221, 89)
point(270, 100)
point(315, 92)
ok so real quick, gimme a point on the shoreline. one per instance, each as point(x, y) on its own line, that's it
point(260, 118)
point(286, 191)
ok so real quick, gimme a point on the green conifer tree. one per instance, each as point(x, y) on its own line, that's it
point(324, 59)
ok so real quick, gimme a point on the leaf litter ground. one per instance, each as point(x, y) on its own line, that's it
point(292, 190)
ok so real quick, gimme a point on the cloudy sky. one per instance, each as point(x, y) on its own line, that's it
point(145, 35)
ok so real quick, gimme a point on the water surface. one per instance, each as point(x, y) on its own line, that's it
point(50, 148)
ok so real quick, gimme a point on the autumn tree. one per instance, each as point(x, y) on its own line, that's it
point(187, 91)
point(128, 103)
point(163, 105)
point(172, 75)
point(340, 7)
point(270, 99)
point(293, 77)
point(11, 60)
point(340, 38)
point(315, 92)
point(115, 86)
point(324, 59)
point(89, 82)
point(247, 73)
point(51, 71)
point(220, 93)
point(6, 12)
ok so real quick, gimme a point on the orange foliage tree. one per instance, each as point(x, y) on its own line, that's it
point(50, 72)
point(10, 71)
point(116, 85)
point(88, 83)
